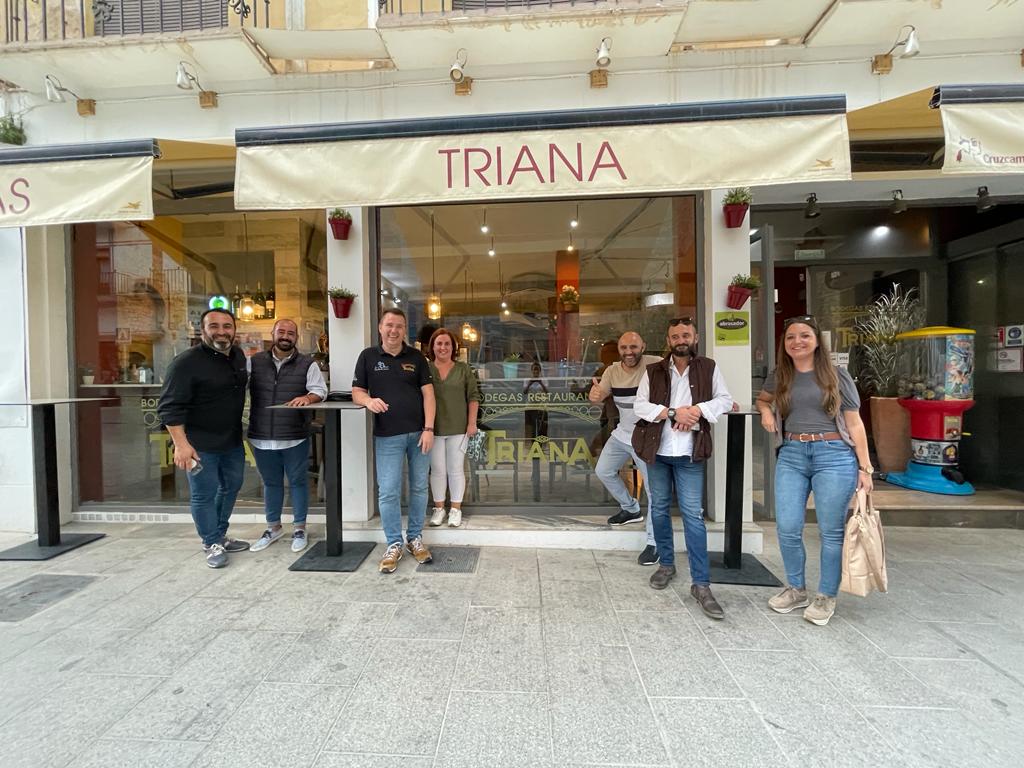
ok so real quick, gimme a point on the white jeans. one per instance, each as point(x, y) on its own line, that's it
point(447, 467)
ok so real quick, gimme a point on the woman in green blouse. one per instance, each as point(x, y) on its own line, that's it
point(458, 399)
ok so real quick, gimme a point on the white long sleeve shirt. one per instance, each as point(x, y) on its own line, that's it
point(315, 385)
point(676, 442)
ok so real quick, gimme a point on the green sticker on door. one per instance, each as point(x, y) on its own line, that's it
point(732, 329)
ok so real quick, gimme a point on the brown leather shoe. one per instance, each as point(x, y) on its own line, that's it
point(419, 550)
point(392, 555)
point(707, 601)
point(661, 577)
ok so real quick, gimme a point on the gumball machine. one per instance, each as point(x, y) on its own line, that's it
point(936, 385)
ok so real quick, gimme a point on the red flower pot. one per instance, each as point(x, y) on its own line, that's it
point(340, 228)
point(734, 214)
point(342, 307)
point(737, 296)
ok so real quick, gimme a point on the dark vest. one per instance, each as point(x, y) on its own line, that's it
point(268, 386)
point(659, 376)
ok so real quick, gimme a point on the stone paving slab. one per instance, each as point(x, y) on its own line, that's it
point(539, 658)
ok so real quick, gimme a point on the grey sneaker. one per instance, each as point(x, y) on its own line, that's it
point(269, 537)
point(788, 600)
point(299, 540)
point(661, 577)
point(821, 610)
point(216, 557)
point(707, 601)
point(234, 545)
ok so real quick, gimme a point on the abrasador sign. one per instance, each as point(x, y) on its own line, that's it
point(599, 160)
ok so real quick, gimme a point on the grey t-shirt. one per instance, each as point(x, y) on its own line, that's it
point(805, 411)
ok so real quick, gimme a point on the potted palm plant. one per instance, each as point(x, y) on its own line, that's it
point(12, 131)
point(740, 289)
point(891, 314)
point(341, 223)
point(735, 205)
point(341, 301)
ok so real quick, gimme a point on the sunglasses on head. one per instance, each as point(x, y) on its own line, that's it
point(687, 320)
point(804, 319)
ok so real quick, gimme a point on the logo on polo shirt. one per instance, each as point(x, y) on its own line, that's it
point(409, 367)
point(381, 366)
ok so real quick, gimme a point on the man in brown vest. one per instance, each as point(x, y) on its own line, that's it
point(678, 399)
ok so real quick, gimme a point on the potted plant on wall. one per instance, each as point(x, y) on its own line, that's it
point(11, 131)
point(341, 223)
point(735, 205)
point(341, 301)
point(740, 289)
point(569, 297)
point(891, 314)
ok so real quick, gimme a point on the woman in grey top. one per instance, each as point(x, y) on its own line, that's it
point(813, 407)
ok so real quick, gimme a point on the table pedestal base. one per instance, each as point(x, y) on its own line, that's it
point(33, 550)
point(317, 559)
point(751, 573)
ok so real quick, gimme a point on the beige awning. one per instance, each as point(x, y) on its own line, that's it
point(984, 128)
point(645, 150)
point(76, 183)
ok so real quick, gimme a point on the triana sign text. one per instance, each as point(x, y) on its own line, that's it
point(547, 163)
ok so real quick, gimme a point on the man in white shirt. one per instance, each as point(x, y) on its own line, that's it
point(686, 393)
point(280, 439)
point(619, 381)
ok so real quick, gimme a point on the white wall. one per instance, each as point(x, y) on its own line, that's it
point(348, 266)
point(726, 253)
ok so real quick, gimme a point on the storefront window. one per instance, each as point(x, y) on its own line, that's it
point(539, 304)
point(139, 291)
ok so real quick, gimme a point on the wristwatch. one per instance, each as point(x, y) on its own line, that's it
point(671, 414)
point(869, 469)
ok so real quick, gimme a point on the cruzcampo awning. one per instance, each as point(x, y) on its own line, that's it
point(633, 150)
point(76, 183)
point(984, 127)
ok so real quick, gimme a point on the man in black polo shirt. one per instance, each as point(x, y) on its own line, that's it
point(393, 381)
point(201, 406)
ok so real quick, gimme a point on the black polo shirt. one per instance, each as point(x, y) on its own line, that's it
point(395, 379)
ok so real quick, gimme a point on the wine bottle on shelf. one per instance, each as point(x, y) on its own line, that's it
point(260, 302)
point(236, 301)
point(271, 304)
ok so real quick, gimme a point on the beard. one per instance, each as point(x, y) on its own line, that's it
point(631, 361)
point(285, 345)
point(684, 350)
point(220, 343)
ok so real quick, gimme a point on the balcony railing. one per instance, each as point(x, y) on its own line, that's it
point(29, 21)
point(424, 7)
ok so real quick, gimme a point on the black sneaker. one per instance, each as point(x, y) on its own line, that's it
point(234, 545)
point(623, 517)
point(649, 556)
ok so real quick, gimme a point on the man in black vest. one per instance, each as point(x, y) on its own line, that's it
point(279, 438)
point(201, 406)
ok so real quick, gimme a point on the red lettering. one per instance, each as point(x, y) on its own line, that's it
point(577, 171)
point(19, 195)
point(478, 171)
point(518, 168)
point(612, 163)
point(497, 153)
point(449, 152)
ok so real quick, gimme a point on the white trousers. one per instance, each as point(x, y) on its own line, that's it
point(447, 467)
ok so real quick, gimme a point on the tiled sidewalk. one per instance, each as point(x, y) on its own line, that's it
point(541, 658)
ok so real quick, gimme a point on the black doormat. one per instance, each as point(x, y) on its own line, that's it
point(452, 560)
point(752, 573)
point(29, 597)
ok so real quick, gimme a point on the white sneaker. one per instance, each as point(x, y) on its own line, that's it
point(269, 537)
point(437, 518)
point(299, 540)
point(455, 518)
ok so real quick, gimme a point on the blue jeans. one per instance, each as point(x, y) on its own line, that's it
point(390, 455)
point(829, 468)
point(213, 492)
point(614, 454)
point(688, 479)
point(274, 466)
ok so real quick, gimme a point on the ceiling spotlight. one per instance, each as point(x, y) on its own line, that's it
point(490, 251)
point(186, 79)
point(572, 246)
point(457, 72)
point(811, 210)
point(882, 63)
point(506, 313)
point(55, 93)
point(604, 53)
point(899, 205)
point(504, 305)
point(484, 229)
point(575, 220)
point(985, 201)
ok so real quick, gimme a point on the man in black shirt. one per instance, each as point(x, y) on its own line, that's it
point(393, 381)
point(201, 406)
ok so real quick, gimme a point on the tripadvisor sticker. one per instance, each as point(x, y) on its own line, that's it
point(732, 329)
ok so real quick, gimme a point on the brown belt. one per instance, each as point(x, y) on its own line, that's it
point(810, 437)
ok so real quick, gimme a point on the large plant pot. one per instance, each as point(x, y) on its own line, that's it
point(340, 228)
point(734, 214)
point(342, 307)
point(890, 427)
point(737, 296)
